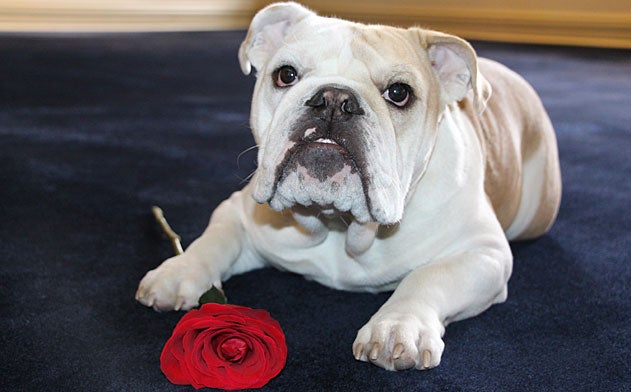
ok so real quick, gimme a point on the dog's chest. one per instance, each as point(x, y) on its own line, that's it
point(285, 246)
point(329, 263)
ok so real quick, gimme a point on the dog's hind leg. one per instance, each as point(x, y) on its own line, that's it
point(541, 186)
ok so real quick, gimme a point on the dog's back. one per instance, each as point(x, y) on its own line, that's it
point(522, 176)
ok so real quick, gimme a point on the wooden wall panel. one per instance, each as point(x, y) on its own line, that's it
point(579, 22)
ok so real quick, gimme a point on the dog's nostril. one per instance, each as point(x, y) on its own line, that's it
point(350, 106)
point(347, 107)
point(317, 101)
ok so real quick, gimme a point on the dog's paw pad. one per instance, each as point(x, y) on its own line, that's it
point(399, 341)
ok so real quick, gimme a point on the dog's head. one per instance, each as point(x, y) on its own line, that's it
point(345, 115)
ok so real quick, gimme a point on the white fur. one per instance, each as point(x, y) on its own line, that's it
point(533, 183)
point(431, 234)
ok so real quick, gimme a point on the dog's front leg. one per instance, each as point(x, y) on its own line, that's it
point(179, 281)
point(407, 330)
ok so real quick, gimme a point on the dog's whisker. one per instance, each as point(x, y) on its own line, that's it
point(247, 178)
point(254, 147)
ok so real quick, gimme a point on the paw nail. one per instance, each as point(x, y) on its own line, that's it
point(357, 351)
point(374, 354)
point(427, 359)
point(398, 350)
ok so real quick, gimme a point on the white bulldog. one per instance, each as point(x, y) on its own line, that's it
point(384, 163)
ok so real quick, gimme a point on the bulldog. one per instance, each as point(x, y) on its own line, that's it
point(388, 159)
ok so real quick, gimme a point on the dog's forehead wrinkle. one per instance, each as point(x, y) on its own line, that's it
point(339, 60)
point(378, 51)
point(346, 58)
point(335, 58)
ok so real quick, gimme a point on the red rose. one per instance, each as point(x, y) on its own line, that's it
point(226, 347)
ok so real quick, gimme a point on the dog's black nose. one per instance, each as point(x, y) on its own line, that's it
point(335, 103)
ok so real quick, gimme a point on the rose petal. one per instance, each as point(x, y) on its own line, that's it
point(232, 348)
point(225, 346)
point(205, 360)
point(170, 363)
point(175, 367)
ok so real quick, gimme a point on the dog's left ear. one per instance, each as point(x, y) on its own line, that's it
point(267, 32)
point(456, 66)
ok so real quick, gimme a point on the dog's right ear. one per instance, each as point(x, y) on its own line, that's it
point(267, 32)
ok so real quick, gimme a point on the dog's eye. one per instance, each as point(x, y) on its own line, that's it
point(285, 76)
point(398, 94)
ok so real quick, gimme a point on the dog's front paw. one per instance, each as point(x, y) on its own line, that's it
point(176, 284)
point(398, 341)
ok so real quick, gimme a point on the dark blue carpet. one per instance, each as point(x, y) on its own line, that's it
point(95, 129)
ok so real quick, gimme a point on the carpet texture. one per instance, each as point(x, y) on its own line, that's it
point(94, 129)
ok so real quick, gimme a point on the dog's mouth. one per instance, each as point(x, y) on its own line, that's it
point(323, 171)
point(325, 142)
point(323, 158)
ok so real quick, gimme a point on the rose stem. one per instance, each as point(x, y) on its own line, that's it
point(172, 235)
point(164, 225)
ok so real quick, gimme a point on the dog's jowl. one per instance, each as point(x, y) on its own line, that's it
point(389, 159)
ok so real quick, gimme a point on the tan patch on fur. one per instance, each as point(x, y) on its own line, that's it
point(510, 130)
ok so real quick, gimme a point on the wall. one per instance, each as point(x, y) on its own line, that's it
point(578, 22)
point(124, 15)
